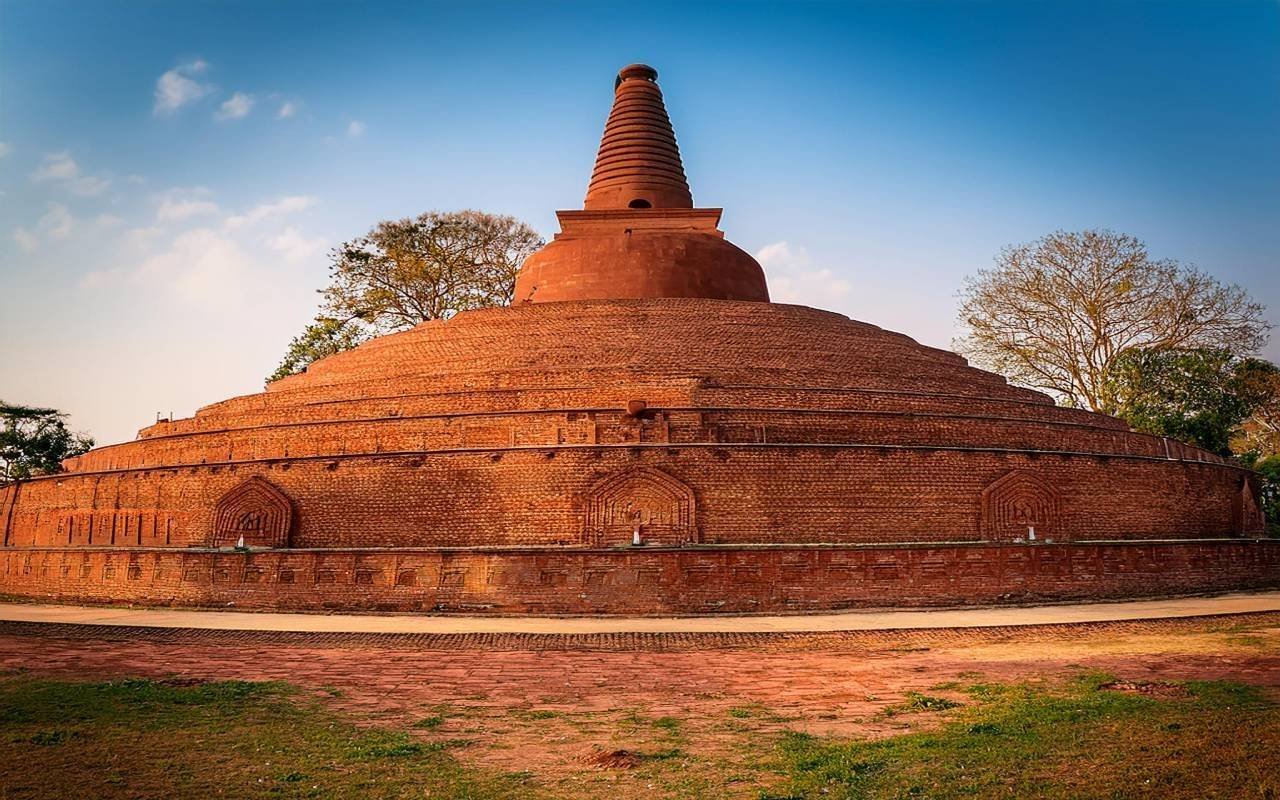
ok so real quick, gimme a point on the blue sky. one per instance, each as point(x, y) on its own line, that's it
point(172, 174)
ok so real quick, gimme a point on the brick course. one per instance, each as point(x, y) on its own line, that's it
point(639, 581)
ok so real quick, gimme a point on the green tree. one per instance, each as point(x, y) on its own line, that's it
point(1198, 396)
point(322, 338)
point(1268, 470)
point(1055, 314)
point(34, 441)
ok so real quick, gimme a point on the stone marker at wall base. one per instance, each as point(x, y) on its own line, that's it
point(641, 432)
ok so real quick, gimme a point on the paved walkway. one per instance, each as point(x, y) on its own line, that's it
point(1243, 603)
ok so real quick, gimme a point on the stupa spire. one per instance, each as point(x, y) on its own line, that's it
point(639, 236)
point(638, 165)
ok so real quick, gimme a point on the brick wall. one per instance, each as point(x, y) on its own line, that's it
point(742, 494)
point(654, 581)
point(750, 423)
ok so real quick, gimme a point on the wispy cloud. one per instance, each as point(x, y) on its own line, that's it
point(294, 247)
point(285, 205)
point(287, 109)
point(26, 240)
point(178, 87)
point(5, 149)
point(794, 279)
point(356, 128)
point(237, 106)
point(56, 223)
point(61, 168)
point(56, 166)
point(193, 250)
point(201, 266)
point(179, 204)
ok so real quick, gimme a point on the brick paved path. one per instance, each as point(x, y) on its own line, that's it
point(796, 673)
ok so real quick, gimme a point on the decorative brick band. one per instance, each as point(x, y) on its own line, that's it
point(640, 580)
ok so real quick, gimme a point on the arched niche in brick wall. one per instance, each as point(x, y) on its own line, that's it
point(1018, 505)
point(1246, 512)
point(256, 510)
point(657, 505)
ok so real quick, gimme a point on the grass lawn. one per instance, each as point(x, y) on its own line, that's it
point(149, 739)
point(1089, 737)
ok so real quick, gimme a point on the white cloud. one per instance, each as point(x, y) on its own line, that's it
point(203, 267)
point(180, 204)
point(285, 205)
point(356, 128)
point(793, 278)
point(89, 185)
point(287, 109)
point(237, 106)
point(57, 166)
point(178, 87)
point(136, 242)
point(62, 168)
point(56, 223)
point(295, 247)
point(210, 264)
point(27, 240)
point(5, 149)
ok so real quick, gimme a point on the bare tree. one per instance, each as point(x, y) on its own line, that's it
point(1055, 314)
point(408, 271)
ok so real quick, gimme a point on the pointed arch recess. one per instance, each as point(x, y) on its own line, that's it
point(1016, 504)
point(256, 510)
point(662, 506)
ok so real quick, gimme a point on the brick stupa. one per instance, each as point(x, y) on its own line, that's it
point(641, 432)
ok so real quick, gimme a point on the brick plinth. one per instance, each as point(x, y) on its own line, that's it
point(639, 581)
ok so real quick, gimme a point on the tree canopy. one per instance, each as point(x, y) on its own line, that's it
point(1260, 433)
point(34, 441)
point(1055, 314)
point(408, 271)
point(405, 272)
point(1269, 471)
point(1197, 396)
point(322, 338)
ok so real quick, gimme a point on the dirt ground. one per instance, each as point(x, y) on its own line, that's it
point(562, 707)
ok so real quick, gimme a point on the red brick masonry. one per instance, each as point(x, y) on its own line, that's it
point(749, 424)
point(640, 581)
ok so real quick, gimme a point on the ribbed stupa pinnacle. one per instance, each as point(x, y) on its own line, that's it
point(638, 165)
point(638, 235)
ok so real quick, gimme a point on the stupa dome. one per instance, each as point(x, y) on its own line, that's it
point(642, 431)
